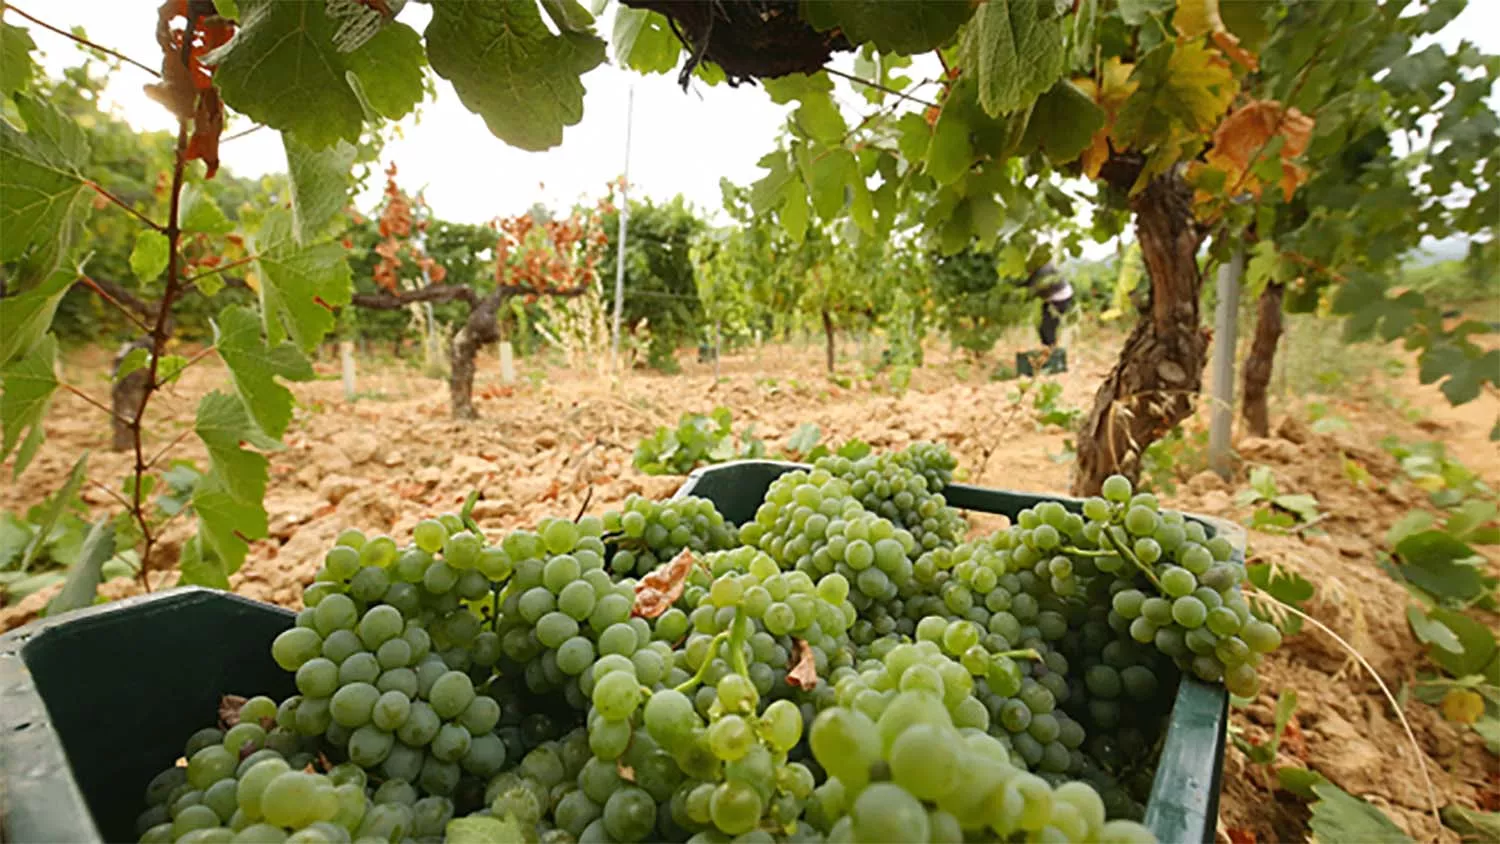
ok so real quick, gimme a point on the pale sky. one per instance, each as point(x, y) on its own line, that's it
point(682, 143)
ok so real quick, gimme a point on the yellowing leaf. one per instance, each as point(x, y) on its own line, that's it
point(1184, 89)
point(1243, 139)
point(1197, 17)
point(1462, 705)
point(1114, 88)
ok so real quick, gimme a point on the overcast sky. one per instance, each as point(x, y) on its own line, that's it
point(683, 143)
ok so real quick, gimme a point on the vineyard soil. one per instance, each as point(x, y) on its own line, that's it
point(560, 441)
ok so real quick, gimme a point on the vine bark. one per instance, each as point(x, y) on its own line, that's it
point(1160, 369)
point(1261, 361)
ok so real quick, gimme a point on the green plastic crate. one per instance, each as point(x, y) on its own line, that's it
point(1184, 803)
point(94, 703)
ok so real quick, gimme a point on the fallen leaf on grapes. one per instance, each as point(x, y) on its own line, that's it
point(802, 673)
point(229, 710)
point(1462, 705)
point(658, 590)
point(626, 772)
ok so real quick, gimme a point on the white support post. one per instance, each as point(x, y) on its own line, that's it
point(1226, 323)
point(624, 220)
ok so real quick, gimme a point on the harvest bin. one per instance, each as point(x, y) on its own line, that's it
point(96, 702)
point(1184, 803)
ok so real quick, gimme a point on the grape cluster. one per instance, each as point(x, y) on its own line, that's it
point(912, 772)
point(841, 668)
point(646, 533)
point(905, 488)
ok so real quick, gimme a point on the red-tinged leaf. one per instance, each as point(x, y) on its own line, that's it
point(229, 710)
point(208, 125)
point(1240, 835)
point(802, 672)
point(1293, 739)
point(659, 590)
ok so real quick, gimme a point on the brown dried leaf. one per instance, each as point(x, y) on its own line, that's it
point(229, 710)
point(802, 671)
point(658, 590)
point(626, 772)
point(1246, 131)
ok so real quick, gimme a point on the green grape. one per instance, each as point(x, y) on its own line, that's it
point(887, 812)
point(390, 711)
point(575, 656)
point(429, 535)
point(617, 694)
point(735, 807)
point(1141, 521)
point(451, 694)
point(341, 562)
point(369, 745)
point(245, 737)
point(193, 818)
point(297, 799)
point(1177, 582)
point(361, 667)
point(1196, 558)
point(559, 536)
point(922, 759)
point(209, 765)
point(296, 646)
point(380, 624)
point(353, 704)
point(1261, 636)
point(1097, 509)
point(730, 737)
point(451, 743)
point(576, 599)
point(845, 743)
point(379, 552)
point(554, 628)
point(461, 550)
point(1116, 488)
point(1241, 680)
point(629, 814)
point(1189, 612)
point(351, 538)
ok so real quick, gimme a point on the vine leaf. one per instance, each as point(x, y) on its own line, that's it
point(1063, 123)
point(200, 213)
point(149, 255)
point(1439, 564)
point(509, 69)
point(27, 384)
point(802, 673)
point(43, 201)
point(320, 185)
point(1014, 53)
point(283, 69)
point(904, 27)
point(228, 498)
point(255, 365)
point(1247, 133)
point(1110, 95)
point(1137, 12)
point(84, 576)
point(644, 42)
point(1340, 816)
point(16, 65)
point(300, 286)
point(52, 509)
point(1184, 88)
point(658, 590)
point(27, 315)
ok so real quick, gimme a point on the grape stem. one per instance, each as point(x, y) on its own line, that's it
point(708, 658)
point(1128, 554)
point(1023, 653)
point(1083, 552)
point(739, 629)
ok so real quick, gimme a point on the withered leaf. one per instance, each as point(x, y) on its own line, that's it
point(802, 671)
point(658, 590)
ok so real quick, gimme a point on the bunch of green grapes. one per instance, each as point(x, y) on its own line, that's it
point(904, 487)
point(1179, 589)
point(386, 655)
point(646, 533)
point(910, 773)
point(235, 787)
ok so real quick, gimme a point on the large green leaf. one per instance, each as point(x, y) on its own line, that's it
point(283, 69)
point(300, 286)
point(16, 65)
point(52, 509)
point(255, 365)
point(510, 70)
point(149, 255)
point(27, 315)
point(387, 70)
point(1432, 560)
point(643, 41)
point(950, 152)
point(84, 576)
point(893, 26)
point(43, 199)
point(200, 213)
point(1184, 89)
point(1339, 816)
point(1472, 824)
point(320, 180)
point(1013, 53)
point(1062, 123)
point(27, 385)
point(1479, 655)
point(228, 499)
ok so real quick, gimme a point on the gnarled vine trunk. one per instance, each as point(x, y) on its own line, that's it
point(1261, 361)
point(1160, 369)
point(828, 340)
point(480, 329)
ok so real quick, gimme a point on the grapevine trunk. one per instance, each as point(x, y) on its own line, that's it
point(479, 330)
point(1261, 361)
point(828, 339)
point(125, 397)
point(1160, 369)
